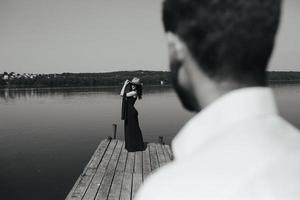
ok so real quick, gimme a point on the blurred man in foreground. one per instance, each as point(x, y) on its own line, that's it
point(237, 146)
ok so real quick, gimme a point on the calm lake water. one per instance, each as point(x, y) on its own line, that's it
point(48, 136)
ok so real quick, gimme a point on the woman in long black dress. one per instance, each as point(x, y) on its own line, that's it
point(133, 135)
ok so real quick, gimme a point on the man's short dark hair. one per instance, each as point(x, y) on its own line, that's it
point(229, 39)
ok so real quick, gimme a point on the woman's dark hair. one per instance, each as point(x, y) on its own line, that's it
point(139, 91)
point(229, 39)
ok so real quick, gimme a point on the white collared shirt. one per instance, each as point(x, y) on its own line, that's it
point(236, 148)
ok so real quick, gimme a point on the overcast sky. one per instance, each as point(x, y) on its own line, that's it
point(49, 36)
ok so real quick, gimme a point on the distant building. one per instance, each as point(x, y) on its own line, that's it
point(5, 77)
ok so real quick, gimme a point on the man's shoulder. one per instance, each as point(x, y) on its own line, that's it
point(266, 132)
point(161, 183)
point(281, 132)
point(280, 179)
point(245, 162)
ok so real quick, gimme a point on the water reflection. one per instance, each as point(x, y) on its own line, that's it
point(12, 94)
point(48, 135)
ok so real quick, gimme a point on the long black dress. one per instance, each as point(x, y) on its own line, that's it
point(133, 135)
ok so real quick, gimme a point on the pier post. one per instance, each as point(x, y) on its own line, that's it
point(114, 131)
point(161, 140)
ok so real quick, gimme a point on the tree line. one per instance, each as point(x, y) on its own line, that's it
point(111, 79)
point(87, 79)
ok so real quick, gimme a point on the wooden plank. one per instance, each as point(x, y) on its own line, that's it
point(99, 151)
point(114, 174)
point(146, 163)
point(83, 184)
point(130, 162)
point(161, 155)
point(103, 191)
point(73, 189)
point(136, 183)
point(115, 191)
point(116, 186)
point(96, 181)
point(126, 186)
point(138, 163)
point(170, 152)
point(122, 160)
point(167, 156)
point(153, 157)
point(84, 180)
point(95, 161)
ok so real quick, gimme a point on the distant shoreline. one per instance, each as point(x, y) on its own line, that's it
point(79, 87)
point(271, 83)
point(284, 81)
point(14, 80)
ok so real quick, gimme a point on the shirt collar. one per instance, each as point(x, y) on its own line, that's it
point(231, 108)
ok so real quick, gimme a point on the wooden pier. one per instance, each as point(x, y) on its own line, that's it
point(114, 174)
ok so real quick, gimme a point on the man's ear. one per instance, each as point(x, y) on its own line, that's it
point(178, 55)
point(176, 47)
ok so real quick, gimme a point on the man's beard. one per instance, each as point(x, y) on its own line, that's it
point(186, 97)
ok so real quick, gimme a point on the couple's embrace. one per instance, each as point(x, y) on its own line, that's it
point(131, 91)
